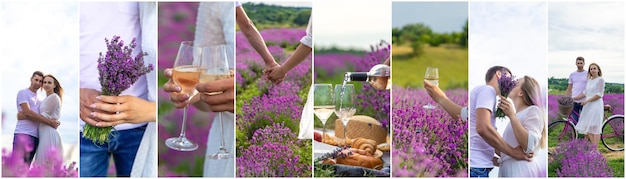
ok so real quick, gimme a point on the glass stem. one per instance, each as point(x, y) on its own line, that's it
point(323, 131)
point(345, 137)
point(182, 130)
point(222, 147)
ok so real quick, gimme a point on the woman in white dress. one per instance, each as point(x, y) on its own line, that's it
point(590, 121)
point(527, 129)
point(49, 139)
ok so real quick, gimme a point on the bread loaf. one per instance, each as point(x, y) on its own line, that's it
point(362, 127)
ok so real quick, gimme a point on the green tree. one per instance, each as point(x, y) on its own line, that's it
point(395, 36)
point(302, 18)
point(463, 40)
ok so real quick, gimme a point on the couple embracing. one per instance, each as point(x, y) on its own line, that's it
point(515, 152)
point(36, 136)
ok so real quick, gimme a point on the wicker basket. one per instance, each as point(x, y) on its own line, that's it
point(565, 110)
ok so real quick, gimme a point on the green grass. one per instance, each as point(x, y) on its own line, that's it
point(617, 164)
point(452, 61)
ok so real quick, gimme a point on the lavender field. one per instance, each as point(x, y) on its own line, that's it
point(428, 143)
point(268, 114)
point(578, 158)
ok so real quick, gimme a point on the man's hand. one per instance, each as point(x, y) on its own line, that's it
point(519, 154)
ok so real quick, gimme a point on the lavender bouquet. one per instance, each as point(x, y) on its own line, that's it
point(118, 71)
point(506, 84)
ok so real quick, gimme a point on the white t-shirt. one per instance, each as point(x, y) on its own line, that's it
point(99, 20)
point(308, 38)
point(481, 153)
point(579, 82)
point(27, 126)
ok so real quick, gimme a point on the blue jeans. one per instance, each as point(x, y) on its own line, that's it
point(475, 172)
point(122, 145)
point(577, 107)
point(20, 146)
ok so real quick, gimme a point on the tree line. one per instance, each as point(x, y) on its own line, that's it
point(266, 14)
point(418, 34)
point(562, 83)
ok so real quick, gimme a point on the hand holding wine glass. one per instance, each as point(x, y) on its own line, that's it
point(323, 103)
point(215, 67)
point(186, 74)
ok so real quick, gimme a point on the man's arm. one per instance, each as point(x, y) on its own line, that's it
point(32, 115)
point(253, 35)
point(492, 137)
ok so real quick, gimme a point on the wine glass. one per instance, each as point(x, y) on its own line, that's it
point(215, 67)
point(323, 103)
point(344, 105)
point(432, 76)
point(186, 74)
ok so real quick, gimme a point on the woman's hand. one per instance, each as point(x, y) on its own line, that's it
point(87, 97)
point(275, 74)
point(506, 106)
point(180, 100)
point(114, 110)
point(434, 92)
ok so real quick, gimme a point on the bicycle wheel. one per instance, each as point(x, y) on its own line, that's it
point(613, 134)
point(560, 131)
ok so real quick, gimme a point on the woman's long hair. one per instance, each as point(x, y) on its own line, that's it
point(589, 70)
point(532, 96)
point(57, 86)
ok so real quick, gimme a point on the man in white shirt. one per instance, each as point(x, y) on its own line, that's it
point(26, 134)
point(576, 85)
point(484, 138)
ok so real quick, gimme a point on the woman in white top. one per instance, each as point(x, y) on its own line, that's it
point(527, 129)
point(50, 146)
point(590, 122)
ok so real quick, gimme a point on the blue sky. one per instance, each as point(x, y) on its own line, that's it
point(439, 16)
point(40, 36)
point(592, 30)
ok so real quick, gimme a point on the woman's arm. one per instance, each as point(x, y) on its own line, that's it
point(599, 92)
point(453, 109)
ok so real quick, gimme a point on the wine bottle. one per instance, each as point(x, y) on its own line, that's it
point(379, 77)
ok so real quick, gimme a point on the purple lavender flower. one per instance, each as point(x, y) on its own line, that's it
point(118, 71)
point(13, 165)
point(506, 84)
point(579, 158)
point(427, 142)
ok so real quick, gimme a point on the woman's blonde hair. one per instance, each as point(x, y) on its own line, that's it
point(57, 86)
point(532, 96)
point(589, 70)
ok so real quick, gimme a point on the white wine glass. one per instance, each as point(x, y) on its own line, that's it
point(186, 74)
point(345, 106)
point(432, 76)
point(215, 67)
point(323, 103)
